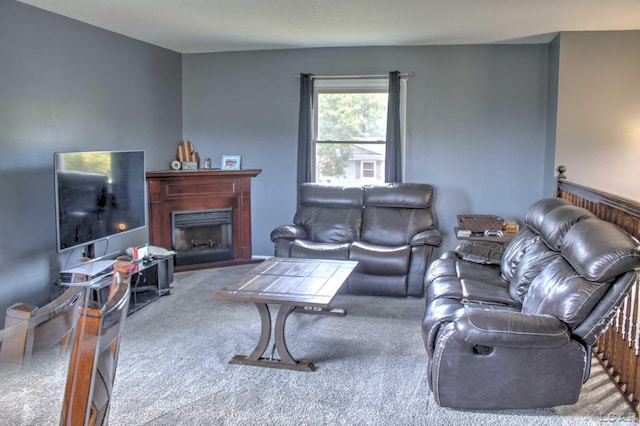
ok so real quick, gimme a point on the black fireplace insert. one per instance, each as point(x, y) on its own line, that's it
point(202, 236)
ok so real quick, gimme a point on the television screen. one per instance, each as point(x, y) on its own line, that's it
point(98, 194)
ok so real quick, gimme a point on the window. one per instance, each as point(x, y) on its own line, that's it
point(368, 169)
point(350, 130)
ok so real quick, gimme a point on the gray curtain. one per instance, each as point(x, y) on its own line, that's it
point(393, 161)
point(305, 129)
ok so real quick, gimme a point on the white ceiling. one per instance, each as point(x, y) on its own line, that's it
point(193, 26)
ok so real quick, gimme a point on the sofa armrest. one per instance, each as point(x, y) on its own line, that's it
point(432, 237)
point(288, 232)
point(510, 329)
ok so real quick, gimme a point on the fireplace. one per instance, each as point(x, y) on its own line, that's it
point(204, 215)
point(202, 236)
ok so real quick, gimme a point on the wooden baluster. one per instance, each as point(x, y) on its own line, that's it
point(632, 365)
point(618, 347)
point(623, 379)
point(607, 339)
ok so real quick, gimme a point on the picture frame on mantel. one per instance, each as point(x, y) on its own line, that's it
point(231, 162)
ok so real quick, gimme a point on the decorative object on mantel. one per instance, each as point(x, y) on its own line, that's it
point(231, 162)
point(189, 159)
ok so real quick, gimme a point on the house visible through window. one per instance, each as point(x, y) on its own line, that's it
point(350, 130)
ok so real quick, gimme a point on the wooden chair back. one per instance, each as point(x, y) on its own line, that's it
point(94, 355)
point(30, 329)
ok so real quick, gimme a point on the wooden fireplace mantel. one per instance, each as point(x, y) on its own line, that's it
point(177, 190)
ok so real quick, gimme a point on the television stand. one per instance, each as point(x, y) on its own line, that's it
point(149, 281)
point(87, 273)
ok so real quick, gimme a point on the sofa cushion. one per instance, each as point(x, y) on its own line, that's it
point(394, 213)
point(380, 260)
point(317, 194)
point(309, 249)
point(444, 288)
point(536, 257)
point(557, 223)
point(560, 292)
point(406, 195)
point(377, 285)
point(489, 274)
point(538, 210)
point(325, 225)
point(599, 250)
point(330, 214)
point(449, 267)
point(515, 250)
point(393, 226)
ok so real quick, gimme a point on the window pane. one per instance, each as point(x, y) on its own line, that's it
point(368, 169)
point(352, 116)
point(349, 163)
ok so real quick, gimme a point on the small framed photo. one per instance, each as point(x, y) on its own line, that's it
point(230, 162)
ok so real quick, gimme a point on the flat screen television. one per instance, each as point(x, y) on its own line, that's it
point(99, 194)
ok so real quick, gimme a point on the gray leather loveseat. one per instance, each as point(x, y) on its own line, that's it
point(388, 228)
point(518, 333)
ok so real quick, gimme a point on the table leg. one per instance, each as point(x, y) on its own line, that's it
point(281, 343)
point(257, 356)
point(265, 332)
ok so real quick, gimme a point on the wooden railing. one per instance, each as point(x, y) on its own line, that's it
point(618, 349)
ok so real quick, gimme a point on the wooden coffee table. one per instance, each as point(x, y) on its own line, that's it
point(310, 284)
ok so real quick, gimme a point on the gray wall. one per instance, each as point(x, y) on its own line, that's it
point(68, 86)
point(598, 130)
point(481, 121)
point(475, 122)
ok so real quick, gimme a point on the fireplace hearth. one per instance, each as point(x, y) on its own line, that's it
point(204, 215)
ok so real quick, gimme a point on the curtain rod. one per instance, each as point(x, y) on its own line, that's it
point(336, 77)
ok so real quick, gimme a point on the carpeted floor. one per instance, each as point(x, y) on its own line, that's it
point(173, 370)
point(371, 366)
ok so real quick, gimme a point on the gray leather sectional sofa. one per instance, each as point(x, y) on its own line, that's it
point(518, 332)
point(388, 228)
